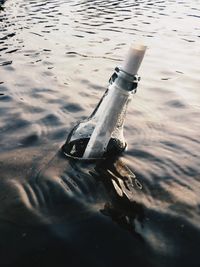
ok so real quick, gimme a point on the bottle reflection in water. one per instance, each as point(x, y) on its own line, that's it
point(101, 134)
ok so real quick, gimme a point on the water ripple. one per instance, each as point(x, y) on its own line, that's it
point(56, 58)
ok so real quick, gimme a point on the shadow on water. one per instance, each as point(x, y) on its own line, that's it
point(69, 207)
point(55, 210)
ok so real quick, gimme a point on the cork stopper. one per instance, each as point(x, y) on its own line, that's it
point(134, 58)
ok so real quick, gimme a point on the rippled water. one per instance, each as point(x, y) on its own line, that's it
point(55, 60)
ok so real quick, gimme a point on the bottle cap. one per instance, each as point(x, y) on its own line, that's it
point(134, 58)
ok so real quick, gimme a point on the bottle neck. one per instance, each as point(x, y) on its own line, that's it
point(111, 111)
point(125, 80)
point(120, 80)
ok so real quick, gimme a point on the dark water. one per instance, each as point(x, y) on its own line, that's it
point(55, 60)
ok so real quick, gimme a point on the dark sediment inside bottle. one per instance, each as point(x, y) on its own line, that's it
point(77, 147)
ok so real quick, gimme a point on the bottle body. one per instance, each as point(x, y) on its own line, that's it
point(101, 134)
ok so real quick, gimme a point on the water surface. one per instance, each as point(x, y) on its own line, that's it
point(55, 60)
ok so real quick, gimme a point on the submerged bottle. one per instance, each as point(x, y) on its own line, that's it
point(101, 134)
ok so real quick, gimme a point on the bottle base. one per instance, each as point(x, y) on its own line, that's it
point(75, 149)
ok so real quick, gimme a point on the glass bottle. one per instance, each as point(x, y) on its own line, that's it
point(101, 134)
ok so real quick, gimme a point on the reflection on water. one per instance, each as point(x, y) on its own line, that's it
point(55, 60)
